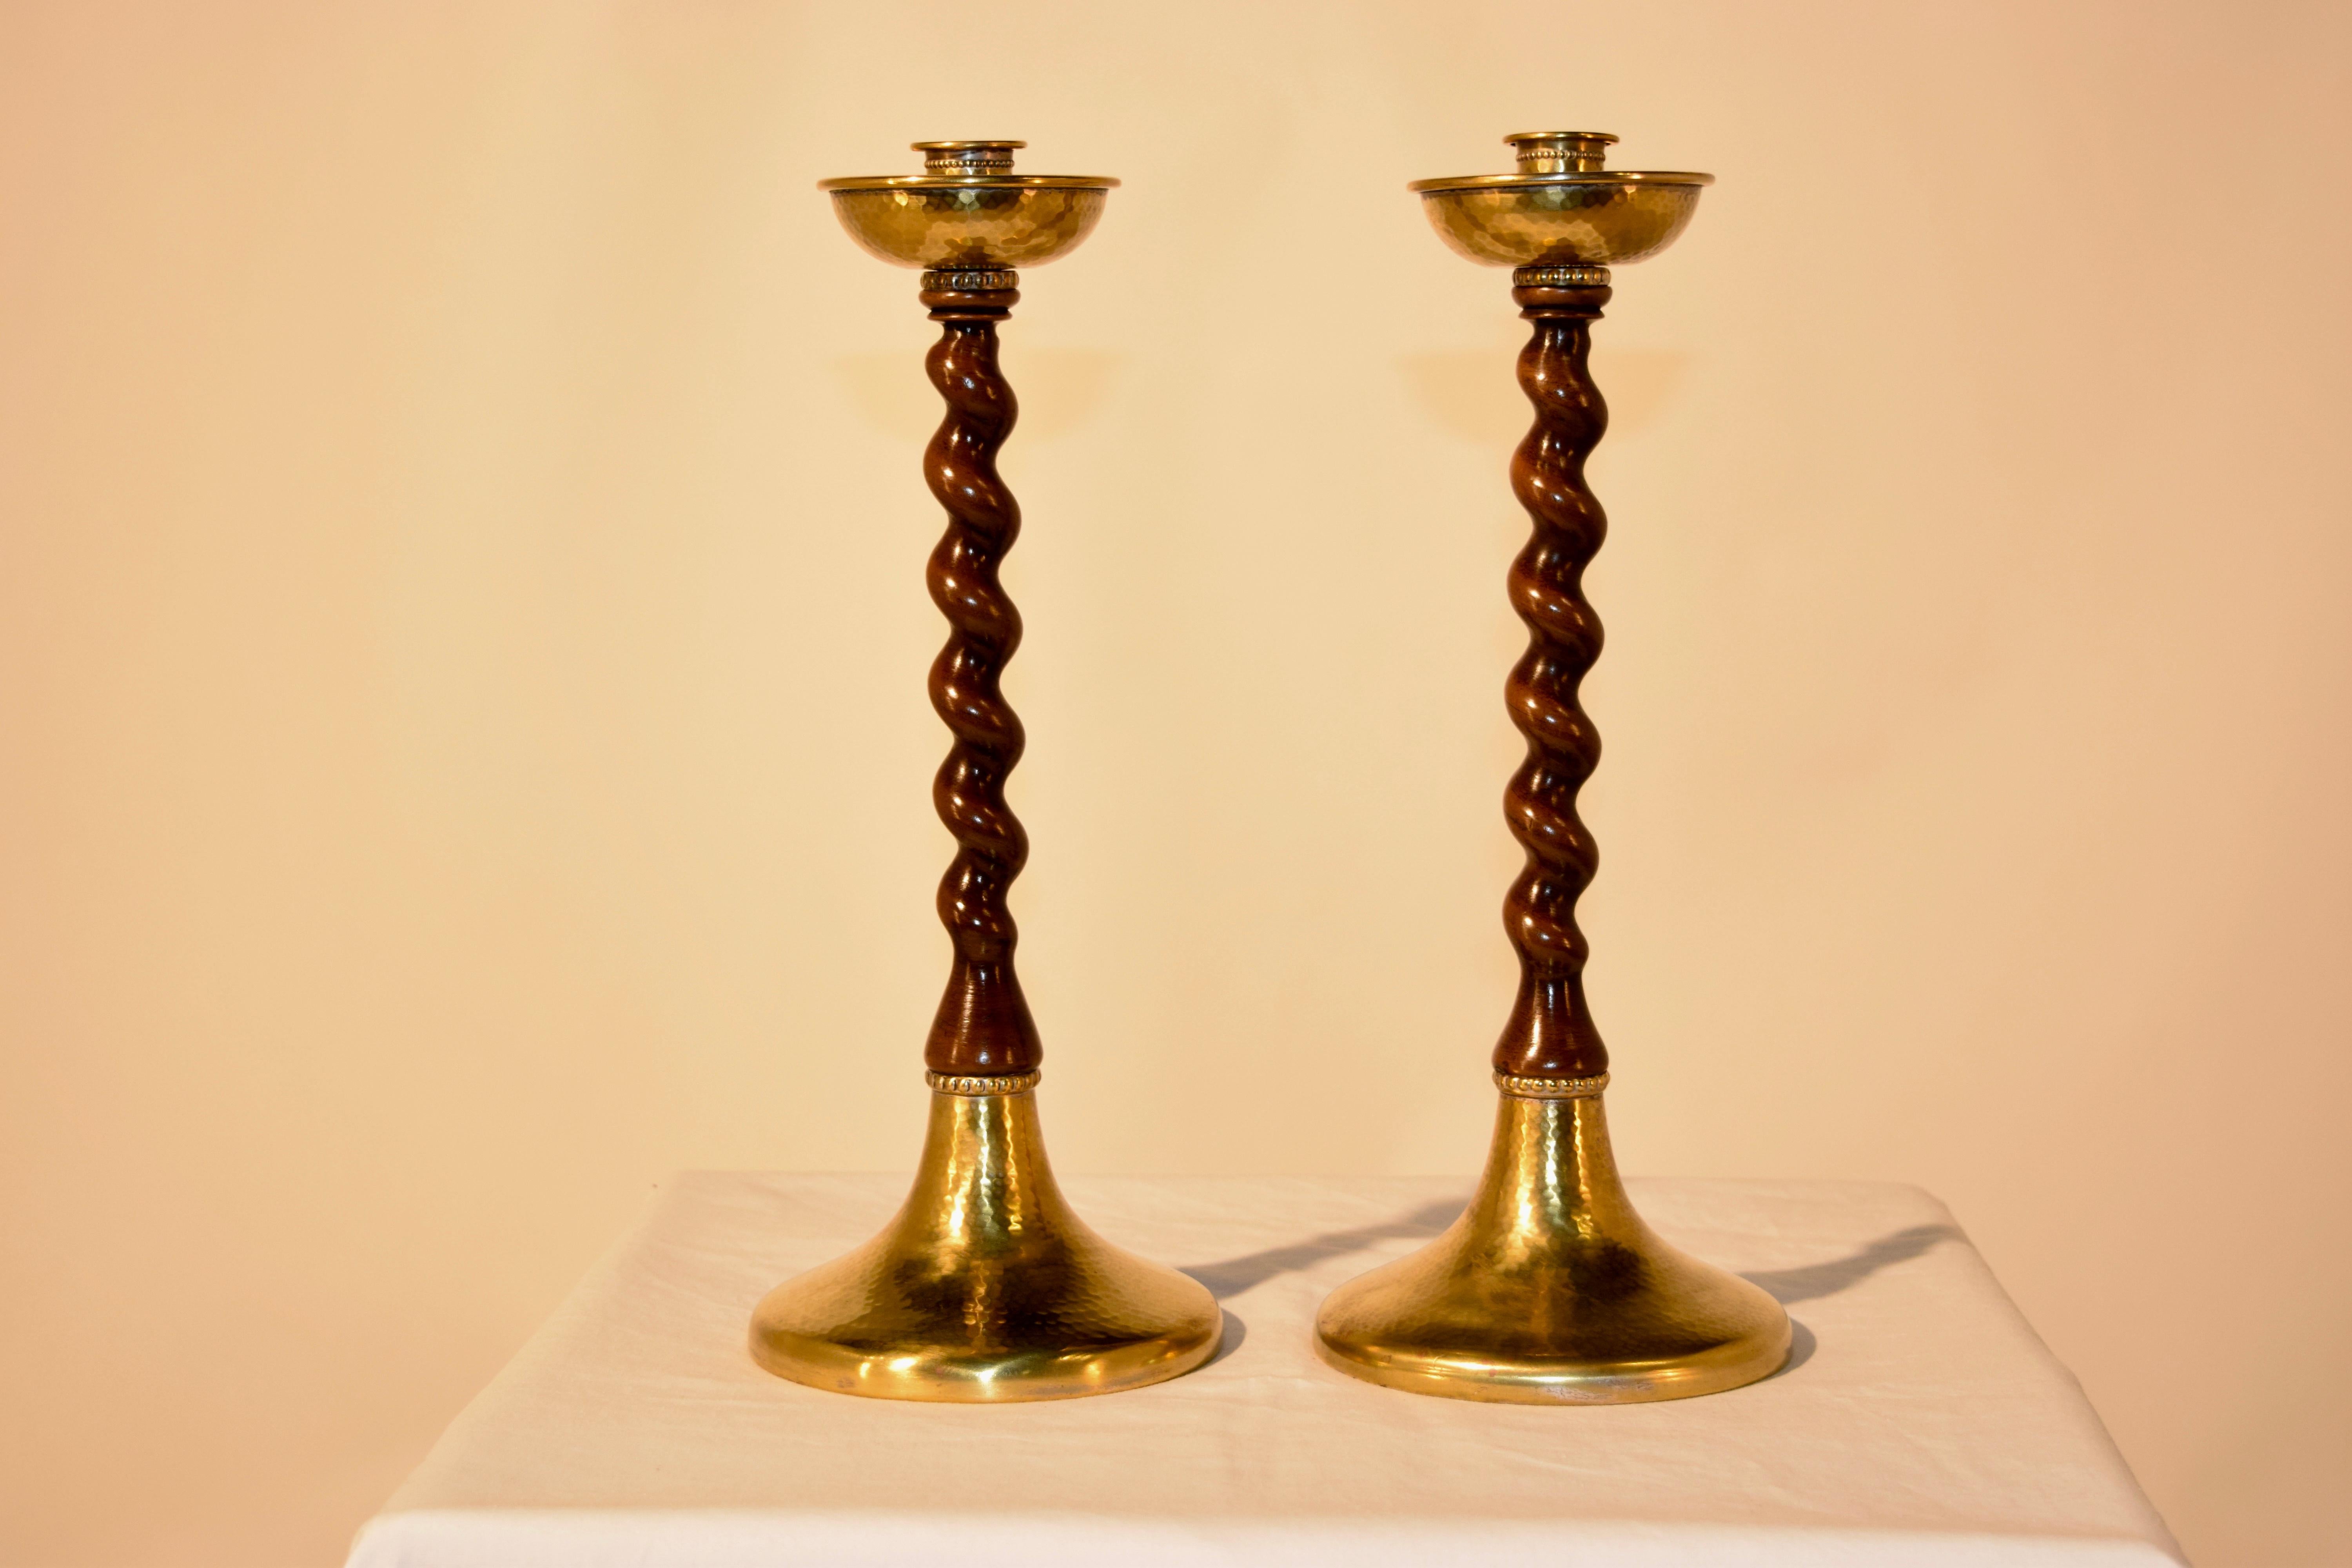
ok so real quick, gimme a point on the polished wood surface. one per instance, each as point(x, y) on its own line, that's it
point(1550, 1033)
point(983, 1026)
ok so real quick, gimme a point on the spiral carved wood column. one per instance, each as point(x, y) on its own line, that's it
point(1550, 1033)
point(984, 1028)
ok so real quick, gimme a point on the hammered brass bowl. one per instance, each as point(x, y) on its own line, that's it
point(1562, 209)
point(968, 209)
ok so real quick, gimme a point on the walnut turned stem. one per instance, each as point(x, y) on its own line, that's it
point(1550, 1033)
point(984, 1028)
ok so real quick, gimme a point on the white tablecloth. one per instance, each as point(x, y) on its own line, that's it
point(1921, 1421)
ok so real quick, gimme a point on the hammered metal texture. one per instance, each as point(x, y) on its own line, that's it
point(987, 1287)
point(1597, 221)
point(1008, 222)
point(1549, 1289)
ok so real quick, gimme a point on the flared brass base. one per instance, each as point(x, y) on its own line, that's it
point(1550, 1290)
point(987, 1287)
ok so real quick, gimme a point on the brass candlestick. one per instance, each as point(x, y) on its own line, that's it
point(987, 1285)
point(1549, 1289)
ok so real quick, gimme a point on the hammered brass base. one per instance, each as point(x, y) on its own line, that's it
point(1550, 1290)
point(987, 1287)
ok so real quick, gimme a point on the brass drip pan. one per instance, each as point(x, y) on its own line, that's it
point(1562, 209)
point(968, 211)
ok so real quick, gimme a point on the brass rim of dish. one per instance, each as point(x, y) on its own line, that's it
point(1591, 177)
point(969, 183)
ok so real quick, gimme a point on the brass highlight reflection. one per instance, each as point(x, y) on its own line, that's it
point(1549, 1289)
point(986, 1286)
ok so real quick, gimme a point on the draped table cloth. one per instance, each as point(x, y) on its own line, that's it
point(1920, 1420)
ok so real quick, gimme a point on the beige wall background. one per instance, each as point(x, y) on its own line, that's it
point(465, 748)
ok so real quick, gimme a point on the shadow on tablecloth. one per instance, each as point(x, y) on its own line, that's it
point(1231, 1276)
point(1235, 1275)
point(1815, 1281)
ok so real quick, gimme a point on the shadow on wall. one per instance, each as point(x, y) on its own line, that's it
point(1475, 393)
point(1058, 390)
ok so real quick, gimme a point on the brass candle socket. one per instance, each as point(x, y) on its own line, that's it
point(987, 1287)
point(1549, 1289)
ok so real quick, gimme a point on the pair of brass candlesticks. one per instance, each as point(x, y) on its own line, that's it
point(987, 1285)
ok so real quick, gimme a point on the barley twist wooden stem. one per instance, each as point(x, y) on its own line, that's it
point(984, 1028)
point(1550, 1034)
